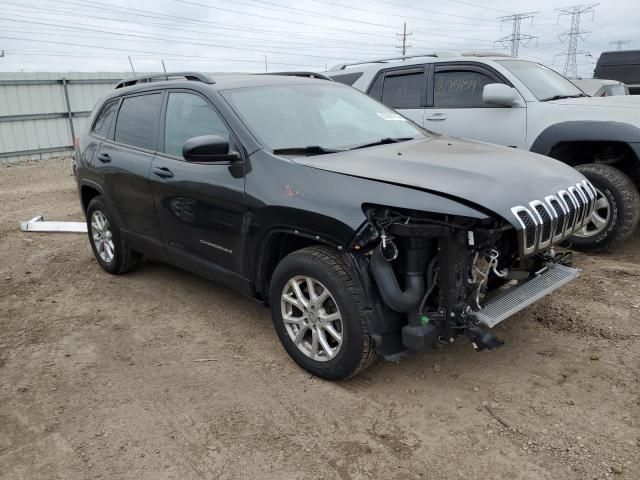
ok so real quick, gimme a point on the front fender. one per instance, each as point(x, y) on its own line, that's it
point(584, 131)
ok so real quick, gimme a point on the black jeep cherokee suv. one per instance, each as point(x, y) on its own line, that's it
point(363, 233)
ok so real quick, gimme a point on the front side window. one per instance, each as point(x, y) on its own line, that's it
point(544, 83)
point(317, 114)
point(103, 121)
point(137, 123)
point(403, 91)
point(189, 116)
point(460, 89)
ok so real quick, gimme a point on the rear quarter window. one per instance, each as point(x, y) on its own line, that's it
point(347, 78)
point(105, 117)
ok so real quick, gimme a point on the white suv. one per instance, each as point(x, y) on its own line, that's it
point(521, 104)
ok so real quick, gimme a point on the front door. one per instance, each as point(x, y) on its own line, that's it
point(459, 111)
point(200, 205)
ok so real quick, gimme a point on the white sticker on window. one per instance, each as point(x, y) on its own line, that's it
point(391, 116)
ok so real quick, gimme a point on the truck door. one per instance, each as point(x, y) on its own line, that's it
point(459, 111)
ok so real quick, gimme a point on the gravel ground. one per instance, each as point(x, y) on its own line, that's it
point(160, 374)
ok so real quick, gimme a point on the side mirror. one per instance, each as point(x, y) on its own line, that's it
point(500, 95)
point(208, 148)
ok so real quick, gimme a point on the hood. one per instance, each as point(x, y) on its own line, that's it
point(616, 101)
point(495, 178)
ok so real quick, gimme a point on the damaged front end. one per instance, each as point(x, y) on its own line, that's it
point(440, 277)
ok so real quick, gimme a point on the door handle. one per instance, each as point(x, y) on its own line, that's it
point(104, 157)
point(437, 117)
point(162, 172)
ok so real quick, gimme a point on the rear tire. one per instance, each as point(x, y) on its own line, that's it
point(617, 209)
point(111, 251)
point(343, 347)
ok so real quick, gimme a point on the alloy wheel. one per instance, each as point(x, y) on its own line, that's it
point(102, 236)
point(599, 219)
point(312, 318)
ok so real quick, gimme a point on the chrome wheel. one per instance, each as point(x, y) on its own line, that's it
point(599, 219)
point(102, 236)
point(312, 318)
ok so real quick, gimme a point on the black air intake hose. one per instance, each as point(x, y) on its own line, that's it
point(393, 296)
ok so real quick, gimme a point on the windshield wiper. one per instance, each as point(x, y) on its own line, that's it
point(308, 150)
point(383, 141)
point(560, 97)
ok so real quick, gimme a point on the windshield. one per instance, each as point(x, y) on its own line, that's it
point(543, 82)
point(330, 116)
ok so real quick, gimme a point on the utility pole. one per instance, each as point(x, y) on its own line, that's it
point(403, 35)
point(266, 66)
point(572, 36)
point(620, 43)
point(516, 38)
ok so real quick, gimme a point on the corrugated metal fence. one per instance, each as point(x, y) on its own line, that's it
point(40, 112)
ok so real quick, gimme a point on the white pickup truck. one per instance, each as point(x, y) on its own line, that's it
point(521, 104)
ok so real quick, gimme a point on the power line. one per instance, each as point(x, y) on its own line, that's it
point(516, 38)
point(620, 43)
point(403, 35)
point(572, 36)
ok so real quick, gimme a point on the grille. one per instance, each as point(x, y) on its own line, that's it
point(568, 200)
point(560, 215)
point(544, 223)
point(530, 228)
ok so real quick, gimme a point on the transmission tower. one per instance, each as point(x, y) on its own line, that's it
point(516, 38)
point(403, 35)
point(620, 43)
point(572, 36)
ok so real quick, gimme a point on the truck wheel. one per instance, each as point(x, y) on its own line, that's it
point(318, 314)
point(111, 250)
point(616, 213)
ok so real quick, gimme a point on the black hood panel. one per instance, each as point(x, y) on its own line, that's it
point(493, 177)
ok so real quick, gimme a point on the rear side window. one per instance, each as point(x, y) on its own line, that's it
point(189, 116)
point(104, 118)
point(460, 89)
point(137, 123)
point(403, 91)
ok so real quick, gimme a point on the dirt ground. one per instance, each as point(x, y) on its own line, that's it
point(160, 374)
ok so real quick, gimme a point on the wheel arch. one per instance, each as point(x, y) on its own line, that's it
point(277, 244)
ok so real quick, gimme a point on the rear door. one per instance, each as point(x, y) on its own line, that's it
point(124, 162)
point(200, 205)
point(403, 89)
point(458, 109)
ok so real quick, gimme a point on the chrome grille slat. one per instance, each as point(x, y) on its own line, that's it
point(545, 223)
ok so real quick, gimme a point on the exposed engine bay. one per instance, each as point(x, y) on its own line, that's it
point(437, 275)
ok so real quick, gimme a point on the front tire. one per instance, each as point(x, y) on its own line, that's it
point(318, 314)
point(617, 209)
point(111, 250)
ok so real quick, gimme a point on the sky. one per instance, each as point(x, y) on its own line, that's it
point(278, 35)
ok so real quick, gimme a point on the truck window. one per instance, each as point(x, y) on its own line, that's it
point(404, 90)
point(460, 89)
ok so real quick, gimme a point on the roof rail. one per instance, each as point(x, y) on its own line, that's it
point(194, 76)
point(319, 76)
point(485, 54)
point(342, 66)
